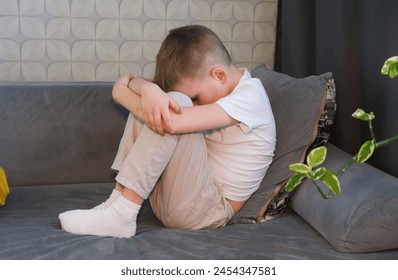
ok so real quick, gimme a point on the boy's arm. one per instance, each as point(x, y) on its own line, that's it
point(151, 104)
point(200, 118)
point(152, 108)
point(180, 120)
point(124, 96)
point(155, 105)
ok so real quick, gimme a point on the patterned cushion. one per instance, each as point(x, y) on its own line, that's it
point(279, 202)
point(304, 112)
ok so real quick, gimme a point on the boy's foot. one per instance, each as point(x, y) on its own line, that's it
point(115, 194)
point(117, 220)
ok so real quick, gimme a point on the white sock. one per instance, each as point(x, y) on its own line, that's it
point(117, 220)
point(115, 194)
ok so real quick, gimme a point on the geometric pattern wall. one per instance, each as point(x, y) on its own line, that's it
point(100, 40)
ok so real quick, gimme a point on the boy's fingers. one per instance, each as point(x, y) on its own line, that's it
point(167, 119)
point(158, 124)
point(124, 80)
point(174, 106)
point(150, 122)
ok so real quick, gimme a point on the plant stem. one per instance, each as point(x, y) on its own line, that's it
point(328, 196)
point(372, 133)
point(354, 159)
point(347, 165)
point(387, 141)
point(377, 145)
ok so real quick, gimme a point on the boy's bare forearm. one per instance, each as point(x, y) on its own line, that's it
point(200, 118)
point(128, 99)
point(140, 84)
point(192, 119)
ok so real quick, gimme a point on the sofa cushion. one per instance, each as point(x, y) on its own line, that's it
point(58, 133)
point(363, 218)
point(299, 110)
point(30, 230)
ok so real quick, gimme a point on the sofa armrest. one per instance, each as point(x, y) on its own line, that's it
point(363, 218)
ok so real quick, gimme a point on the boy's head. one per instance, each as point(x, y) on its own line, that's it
point(188, 52)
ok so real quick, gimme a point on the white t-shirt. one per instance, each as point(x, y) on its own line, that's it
point(241, 154)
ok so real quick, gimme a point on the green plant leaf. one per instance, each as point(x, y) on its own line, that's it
point(360, 114)
point(300, 168)
point(390, 67)
point(331, 181)
point(295, 181)
point(318, 174)
point(316, 156)
point(366, 151)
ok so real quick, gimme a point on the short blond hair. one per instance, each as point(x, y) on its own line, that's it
point(183, 54)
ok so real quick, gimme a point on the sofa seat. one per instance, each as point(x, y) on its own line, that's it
point(30, 229)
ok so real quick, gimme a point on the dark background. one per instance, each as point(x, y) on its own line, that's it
point(351, 39)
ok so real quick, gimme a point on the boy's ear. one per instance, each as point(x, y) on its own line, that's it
point(218, 73)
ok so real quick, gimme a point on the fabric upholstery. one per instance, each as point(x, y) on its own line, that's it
point(297, 105)
point(58, 133)
point(363, 218)
point(29, 229)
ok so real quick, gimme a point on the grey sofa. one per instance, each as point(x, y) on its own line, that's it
point(57, 142)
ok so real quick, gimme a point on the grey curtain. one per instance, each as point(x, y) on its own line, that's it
point(352, 39)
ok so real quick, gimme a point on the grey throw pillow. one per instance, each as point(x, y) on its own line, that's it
point(363, 218)
point(299, 107)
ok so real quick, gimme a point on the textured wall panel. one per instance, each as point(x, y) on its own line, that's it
point(99, 40)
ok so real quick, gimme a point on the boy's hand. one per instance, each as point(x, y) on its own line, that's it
point(118, 94)
point(156, 105)
point(124, 80)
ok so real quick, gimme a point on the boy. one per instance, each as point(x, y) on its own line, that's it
point(198, 152)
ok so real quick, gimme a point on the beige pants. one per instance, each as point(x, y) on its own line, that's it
point(173, 171)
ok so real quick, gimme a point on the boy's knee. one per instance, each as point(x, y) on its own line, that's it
point(180, 98)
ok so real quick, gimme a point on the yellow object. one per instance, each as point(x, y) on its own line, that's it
point(4, 189)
